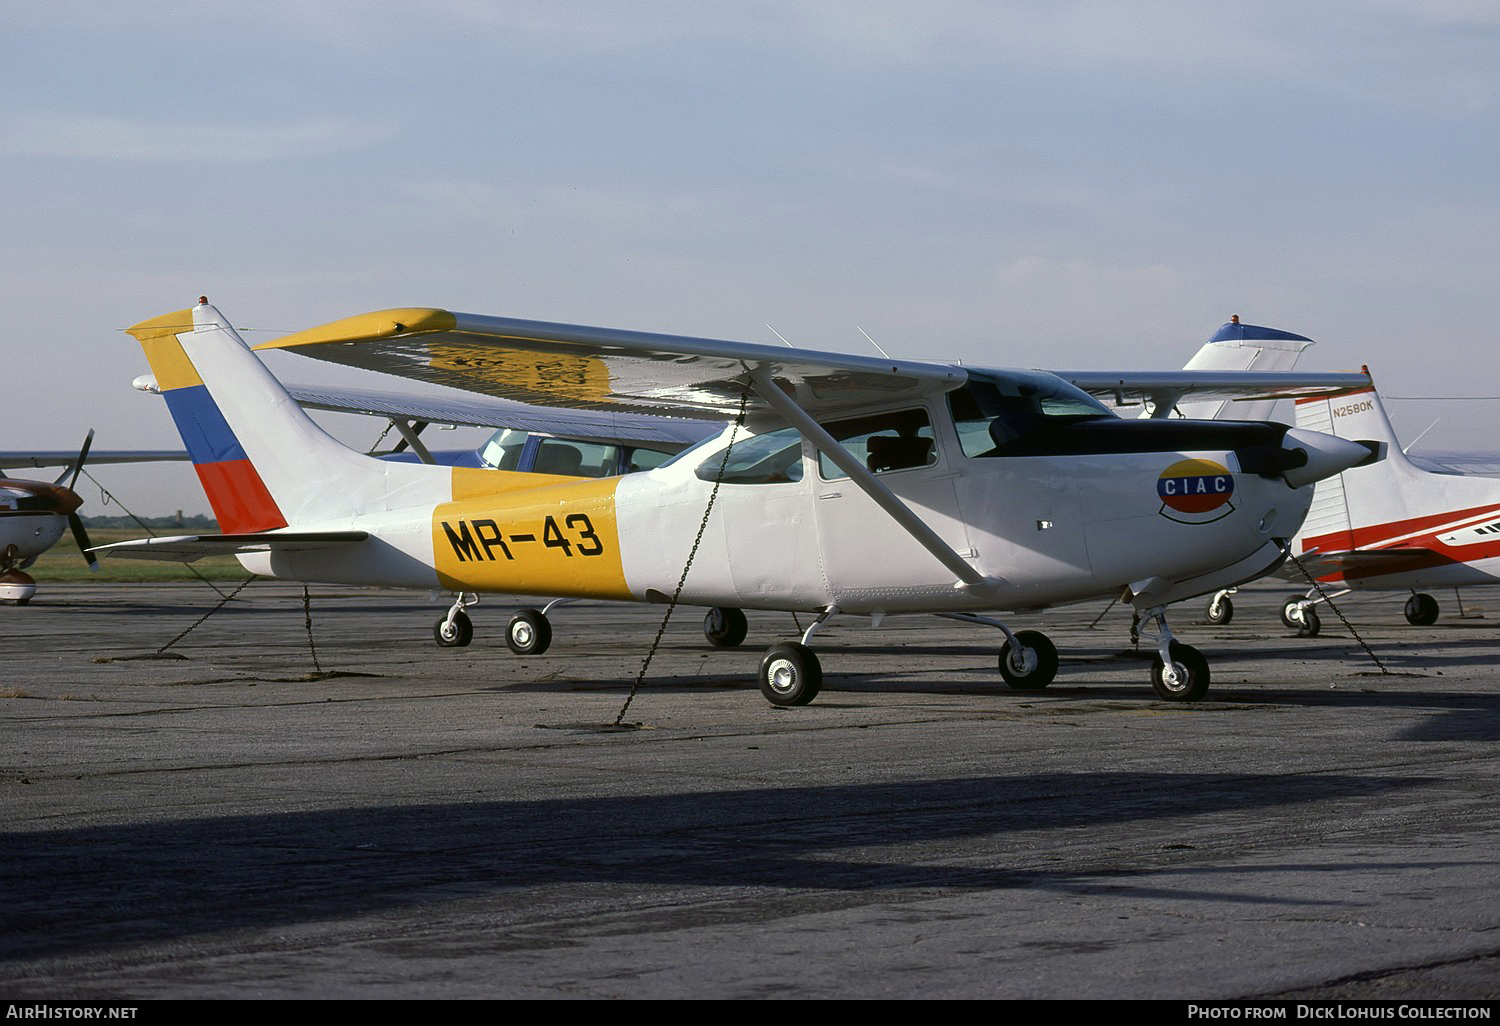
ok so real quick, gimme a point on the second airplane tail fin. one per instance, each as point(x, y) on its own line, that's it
point(1243, 347)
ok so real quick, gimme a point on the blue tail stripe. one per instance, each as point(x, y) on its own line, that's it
point(204, 430)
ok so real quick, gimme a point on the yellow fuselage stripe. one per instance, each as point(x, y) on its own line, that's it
point(529, 534)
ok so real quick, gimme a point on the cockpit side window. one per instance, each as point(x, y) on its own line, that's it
point(883, 442)
point(503, 449)
point(771, 458)
point(994, 410)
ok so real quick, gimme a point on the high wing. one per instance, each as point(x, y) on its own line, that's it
point(1164, 389)
point(578, 367)
point(189, 547)
point(591, 368)
point(64, 458)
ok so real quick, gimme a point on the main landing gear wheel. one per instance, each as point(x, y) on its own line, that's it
point(1310, 625)
point(1220, 610)
point(790, 674)
point(528, 633)
point(1187, 678)
point(1421, 610)
point(1037, 661)
point(455, 633)
point(724, 628)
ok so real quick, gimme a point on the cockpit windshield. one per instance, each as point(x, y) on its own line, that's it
point(996, 408)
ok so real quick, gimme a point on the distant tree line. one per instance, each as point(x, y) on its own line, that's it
point(197, 522)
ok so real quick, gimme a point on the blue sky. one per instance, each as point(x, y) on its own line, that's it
point(1070, 184)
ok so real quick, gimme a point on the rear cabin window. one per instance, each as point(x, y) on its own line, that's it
point(576, 459)
point(882, 442)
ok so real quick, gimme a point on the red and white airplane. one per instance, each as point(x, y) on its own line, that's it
point(1406, 523)
point(842, 484)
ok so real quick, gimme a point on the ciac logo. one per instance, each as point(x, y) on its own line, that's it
point(1195, 492)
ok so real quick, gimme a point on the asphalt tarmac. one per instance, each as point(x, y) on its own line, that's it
point(375, 817)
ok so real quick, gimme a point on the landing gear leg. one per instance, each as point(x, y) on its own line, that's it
point(1179, 673)
point(790, 674)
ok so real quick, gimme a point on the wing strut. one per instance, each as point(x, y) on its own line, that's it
point(766, 387)
point(410, 434)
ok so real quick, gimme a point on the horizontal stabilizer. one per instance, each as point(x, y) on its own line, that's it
point(188, 547)
point(1321, 564)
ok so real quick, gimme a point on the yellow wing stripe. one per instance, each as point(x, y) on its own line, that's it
point(380, 324)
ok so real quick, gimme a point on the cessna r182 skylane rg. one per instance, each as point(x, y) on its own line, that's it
point(842, 484)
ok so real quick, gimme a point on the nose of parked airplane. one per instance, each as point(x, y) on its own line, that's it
point(1323, 456)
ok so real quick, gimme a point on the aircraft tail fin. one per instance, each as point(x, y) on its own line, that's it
point(1243, 347)
point(264, 464)
point(1343, 503)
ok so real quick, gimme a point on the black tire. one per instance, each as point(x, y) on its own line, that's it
point(1310, 625)
point(790, 674)
point(528, 633)
point(1039, 675)
point(1286, 611)
point(1421, 610)
point(724, 628)
point(1220, 612)
point(456, 635)
point(1191, 672)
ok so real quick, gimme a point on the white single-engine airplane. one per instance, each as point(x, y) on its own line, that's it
point(843, 484)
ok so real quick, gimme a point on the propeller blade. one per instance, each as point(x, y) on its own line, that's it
point(82, 538)
point(77, 466)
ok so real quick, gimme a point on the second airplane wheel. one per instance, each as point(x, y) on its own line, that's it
point(528, 633)
point(1220, 611)
point(1187, 680)
point(790, 674)
point(456, 634)
point(1310, 625)
point(1038, 662)
point(1421, 610)
point(724, 628)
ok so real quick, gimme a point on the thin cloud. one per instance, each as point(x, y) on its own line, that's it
point(145, 141)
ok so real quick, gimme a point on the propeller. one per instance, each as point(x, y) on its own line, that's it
point(80, 536)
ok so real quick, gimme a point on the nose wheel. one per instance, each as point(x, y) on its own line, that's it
point(1179, 673)
point(1184, 678)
